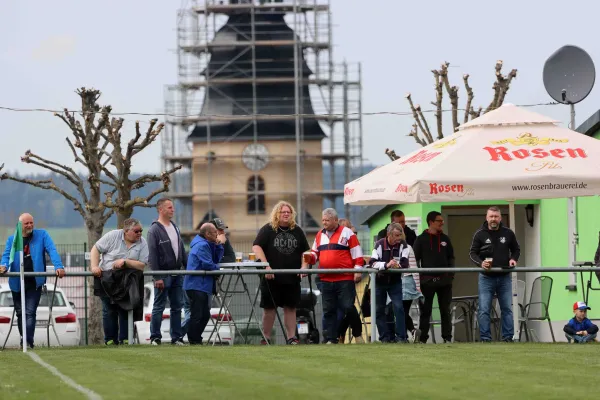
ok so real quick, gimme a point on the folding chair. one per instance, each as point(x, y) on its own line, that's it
point(542, 285)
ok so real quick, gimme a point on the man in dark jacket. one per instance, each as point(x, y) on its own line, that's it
point(166, 254)
point(398, 217)
point(495, 245)
point(433, 249)
point(118, 249)
point(206, 251)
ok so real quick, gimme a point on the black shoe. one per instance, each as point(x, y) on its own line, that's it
point(155, 342)
point(508, 340)
point(447, 341)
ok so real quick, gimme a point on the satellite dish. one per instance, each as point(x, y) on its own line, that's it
point(569, 75)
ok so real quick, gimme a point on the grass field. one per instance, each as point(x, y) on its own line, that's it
point(457, 371)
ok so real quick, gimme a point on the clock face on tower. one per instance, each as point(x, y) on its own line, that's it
point(255, 156)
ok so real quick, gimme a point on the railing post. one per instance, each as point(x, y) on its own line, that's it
point(130, 327)
point(85, 293)
point(372, 285)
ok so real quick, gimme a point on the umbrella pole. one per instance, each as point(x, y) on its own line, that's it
point(515, 292)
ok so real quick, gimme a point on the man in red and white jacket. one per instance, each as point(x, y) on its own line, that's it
point(336, 247)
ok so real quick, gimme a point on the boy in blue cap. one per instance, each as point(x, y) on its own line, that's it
point(580, 329)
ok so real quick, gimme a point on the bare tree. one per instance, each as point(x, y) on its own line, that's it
point(104, 163)
point(421, 131)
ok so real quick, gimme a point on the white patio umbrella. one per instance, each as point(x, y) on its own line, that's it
point(507, 154)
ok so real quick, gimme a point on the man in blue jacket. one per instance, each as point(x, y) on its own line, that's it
point(36, 243)
point(206, 251)
point(166, 253)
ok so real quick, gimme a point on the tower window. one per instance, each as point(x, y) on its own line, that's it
point(256, 201)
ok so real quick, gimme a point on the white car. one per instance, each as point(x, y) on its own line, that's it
point(225, 334)
point(63, 313)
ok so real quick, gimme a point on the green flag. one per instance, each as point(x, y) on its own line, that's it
point(17, 244)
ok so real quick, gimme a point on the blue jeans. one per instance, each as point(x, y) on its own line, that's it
point(580, 338)
point(174, 290)
point(501, 286)
point(336, 296)
point(32, 300)
point(186, 314)
point(114, 320)
point(394, 290)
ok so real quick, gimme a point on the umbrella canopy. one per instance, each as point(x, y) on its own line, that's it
point(507, 154)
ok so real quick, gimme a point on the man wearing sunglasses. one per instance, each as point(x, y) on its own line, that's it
point(120, 249)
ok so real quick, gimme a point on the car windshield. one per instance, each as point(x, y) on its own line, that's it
point(6, 299)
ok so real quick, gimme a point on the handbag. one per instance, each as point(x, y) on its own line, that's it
point(365, 302)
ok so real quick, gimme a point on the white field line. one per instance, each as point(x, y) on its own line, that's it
point(87, 392)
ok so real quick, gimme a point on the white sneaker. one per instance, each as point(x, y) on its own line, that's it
point(359, 340)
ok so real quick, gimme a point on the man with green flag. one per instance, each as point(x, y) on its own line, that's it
point(28, 247)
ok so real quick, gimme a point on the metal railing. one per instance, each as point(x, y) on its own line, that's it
point(250, 268)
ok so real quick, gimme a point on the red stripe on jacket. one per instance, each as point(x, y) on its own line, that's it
point(341, 250)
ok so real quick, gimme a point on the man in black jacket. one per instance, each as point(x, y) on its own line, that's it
point(398, 217)
point(495, 245)
point(166, 254)
point(433, 249)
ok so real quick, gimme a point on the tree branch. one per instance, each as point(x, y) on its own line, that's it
point(148, 178)
point(506, 86)
point(151, 135)
point(470, 96)
point(77, 158)
point(391, 154)
point(424, 128)
point(452, 93)
point(438, 104)
point(48, 185)
point(140, 201)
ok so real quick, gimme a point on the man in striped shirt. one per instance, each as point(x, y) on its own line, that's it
point(336, 247)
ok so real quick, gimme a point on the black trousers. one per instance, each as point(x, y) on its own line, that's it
point(410, 326)
point(351, 319)
point(444, 294)
point(199, 314)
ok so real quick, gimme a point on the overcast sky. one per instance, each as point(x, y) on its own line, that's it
point(126, 49)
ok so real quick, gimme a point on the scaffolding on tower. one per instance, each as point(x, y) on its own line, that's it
point(248, 70)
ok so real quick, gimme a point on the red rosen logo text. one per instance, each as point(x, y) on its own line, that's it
point(434, 188)
point(402, 189)
point(348, 192)
point(421, 156)
point(502, 153)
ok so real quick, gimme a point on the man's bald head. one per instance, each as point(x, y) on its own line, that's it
point(209, 232)
point(27, 223)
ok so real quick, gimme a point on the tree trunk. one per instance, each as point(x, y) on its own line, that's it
point(94, 322)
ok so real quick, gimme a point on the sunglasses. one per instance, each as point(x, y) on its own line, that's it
point(137, 231)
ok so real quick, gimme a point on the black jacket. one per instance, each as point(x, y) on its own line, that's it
point(228, 254)
point(124, 287)
point(434, 251)
point(411, 236)
point(161, 255)
point(500, 244)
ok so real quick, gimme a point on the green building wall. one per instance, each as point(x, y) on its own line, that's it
point(554, 242)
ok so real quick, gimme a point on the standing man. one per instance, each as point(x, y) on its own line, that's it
point(336, 247)
point(205, 252)
point(120, 248)
point(281, 243)
point(166, 253)
point(391, 253)
point(36, 244)
point(228, 257)
point(495, 245)
point(398, 217)
point(433, 249)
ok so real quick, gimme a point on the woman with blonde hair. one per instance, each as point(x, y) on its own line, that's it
point(281, 242)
